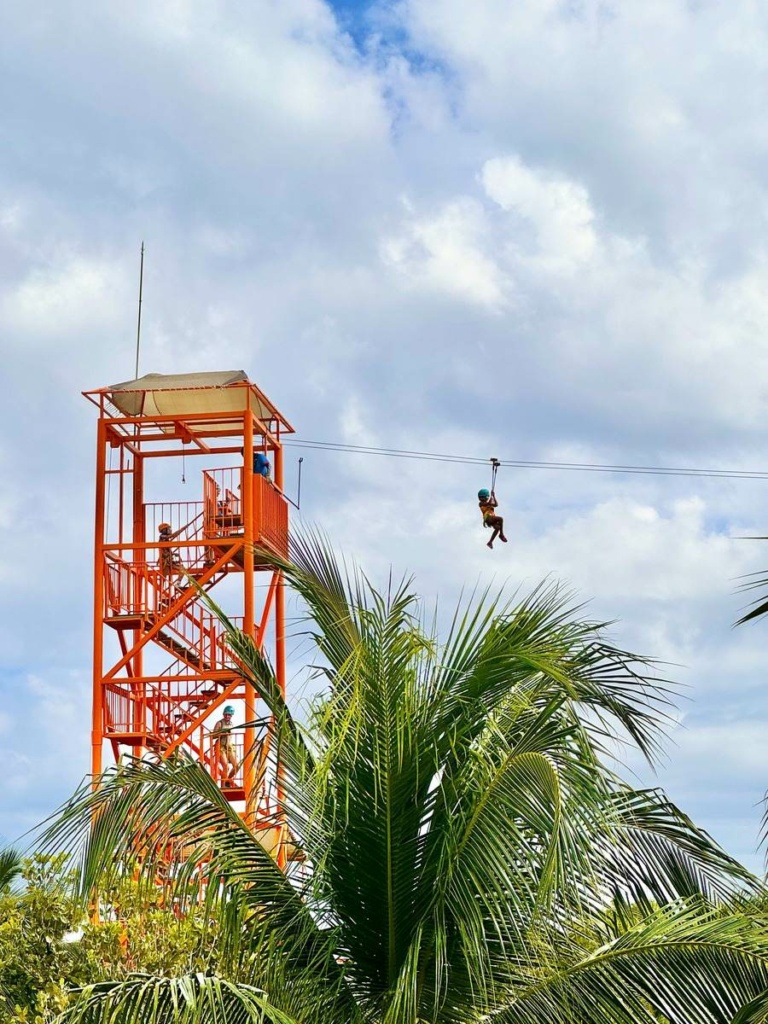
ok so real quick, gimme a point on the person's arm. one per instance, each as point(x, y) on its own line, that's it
point(218, 730)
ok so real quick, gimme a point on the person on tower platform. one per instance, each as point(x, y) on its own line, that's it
point(488, 504)
point(261, 466)
point(225, 755)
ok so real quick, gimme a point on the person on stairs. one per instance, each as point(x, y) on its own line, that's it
point(225, 755)
point(170, 565)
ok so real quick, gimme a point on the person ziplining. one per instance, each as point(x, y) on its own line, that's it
point(488, 505)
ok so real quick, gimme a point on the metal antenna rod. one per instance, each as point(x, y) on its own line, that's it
point(138, 327)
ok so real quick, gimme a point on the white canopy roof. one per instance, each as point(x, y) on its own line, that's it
point(183, 394)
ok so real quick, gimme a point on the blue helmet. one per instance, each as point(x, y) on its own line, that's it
point(483, 494)
point(229, 710)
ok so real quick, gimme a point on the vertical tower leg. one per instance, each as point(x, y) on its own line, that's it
point(139, 711)
point(249, 625)
point(97, 720)
point(280, 660)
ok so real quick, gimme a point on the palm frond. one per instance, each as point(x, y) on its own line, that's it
point(194, 999)
point(540, 646)
point(685, 962)
point(754, 581)
point(11, 863)
point(653, 853)
point(331, 595)
point(151, 811)
point(760, 605)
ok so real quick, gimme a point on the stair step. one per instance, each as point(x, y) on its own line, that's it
point(185, 653)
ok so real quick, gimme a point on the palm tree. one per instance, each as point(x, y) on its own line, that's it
point(471, 855)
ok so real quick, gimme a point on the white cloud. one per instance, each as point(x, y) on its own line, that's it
point(732, 750)
point(637, 342)
point(54, 713)
point(447, 252)
point(669, 556)
point(74, 294)
point(653, 105)
point(558, 209)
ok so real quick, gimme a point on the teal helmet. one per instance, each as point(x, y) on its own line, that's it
point(229, 710)
point(483, 494)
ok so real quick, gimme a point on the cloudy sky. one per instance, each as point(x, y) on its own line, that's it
point(534, 230)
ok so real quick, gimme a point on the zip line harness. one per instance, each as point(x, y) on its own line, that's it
point(494, 470)
point(486, 494)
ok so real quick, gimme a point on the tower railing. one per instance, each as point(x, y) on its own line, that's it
point(183, 517)
point(224, 509)
point(272, 511)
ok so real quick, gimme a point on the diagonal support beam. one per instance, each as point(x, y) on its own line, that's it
point(269, 601)
point(172, 611)
point(202, 715)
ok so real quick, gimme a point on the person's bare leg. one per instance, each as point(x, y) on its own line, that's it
point(494, 535)
point(221, 766)
point(502, 538)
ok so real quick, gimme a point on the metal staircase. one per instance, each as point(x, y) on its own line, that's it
point(162, 610)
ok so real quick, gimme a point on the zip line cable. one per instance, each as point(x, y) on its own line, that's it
point(582, 467)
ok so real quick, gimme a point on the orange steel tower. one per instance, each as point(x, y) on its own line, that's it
point(162, 671)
